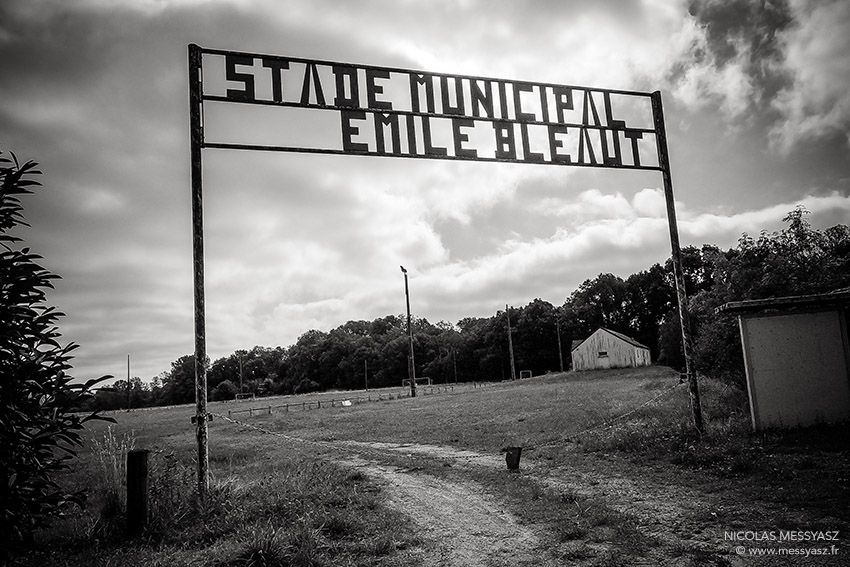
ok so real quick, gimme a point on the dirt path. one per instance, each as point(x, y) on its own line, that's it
point(683, 523)
point(462, 525)
point(469, 528)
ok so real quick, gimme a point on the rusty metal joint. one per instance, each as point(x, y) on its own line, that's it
point(207, 417)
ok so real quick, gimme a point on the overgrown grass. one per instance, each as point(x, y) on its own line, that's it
point(665, 430)
point(111, 452)
point(728, 448)
point(275, 509)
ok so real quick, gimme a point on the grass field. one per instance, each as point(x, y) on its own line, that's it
point(597, 464)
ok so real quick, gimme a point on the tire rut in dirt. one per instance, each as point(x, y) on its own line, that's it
point(463, 526)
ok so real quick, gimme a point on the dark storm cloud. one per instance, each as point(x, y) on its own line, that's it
point(743, 28)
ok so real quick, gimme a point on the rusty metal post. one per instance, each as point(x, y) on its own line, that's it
point(684, 319)
point(196, 126)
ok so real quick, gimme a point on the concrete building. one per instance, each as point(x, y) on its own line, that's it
point(609, 349)
point(796, 357)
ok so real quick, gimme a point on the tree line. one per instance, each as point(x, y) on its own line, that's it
point(374, 354)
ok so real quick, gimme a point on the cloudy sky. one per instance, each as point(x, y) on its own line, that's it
point(757, 104)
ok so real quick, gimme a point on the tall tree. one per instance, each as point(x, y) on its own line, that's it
point(536, 338)
point(600, 302)
point(650, 298)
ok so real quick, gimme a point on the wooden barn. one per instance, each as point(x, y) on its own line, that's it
point(609, 349)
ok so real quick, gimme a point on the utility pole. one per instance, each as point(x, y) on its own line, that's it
point(128, 382)
point(366, 373)
point(240, 372)
point(510, 343)
point(411, 365)
point(560, 350)
point(454, 364)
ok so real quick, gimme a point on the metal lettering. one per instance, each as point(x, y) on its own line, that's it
point(584, 136)
point(312, 72)
point(458, 107)
point(555, 143)
point(426, 81)
point(460, 137)
point(634, 136)
point(349, 131)
point(481, 100)
point(505, 140)
point(563, 102)
point(527, 154)
point(394, 112)
point(412, 148)
point(431, 150)
point(341, 75)
point(247, 79)
point(616, 125)
point(390, 120)
point(373, 90)
point(518, 89)
point(276, 66)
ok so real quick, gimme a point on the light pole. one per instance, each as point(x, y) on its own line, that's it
point(411, 367)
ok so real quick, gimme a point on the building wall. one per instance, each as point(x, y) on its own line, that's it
point(797, 368)
point(619, 353)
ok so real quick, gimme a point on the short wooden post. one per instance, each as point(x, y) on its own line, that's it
point(137, 491)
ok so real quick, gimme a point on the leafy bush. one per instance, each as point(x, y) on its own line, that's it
point(39, 430)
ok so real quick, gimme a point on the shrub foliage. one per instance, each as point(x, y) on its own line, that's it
point(39, 430)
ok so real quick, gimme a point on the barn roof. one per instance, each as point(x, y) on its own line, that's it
point(620, 336)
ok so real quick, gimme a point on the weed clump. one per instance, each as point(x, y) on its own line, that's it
point(111, 453)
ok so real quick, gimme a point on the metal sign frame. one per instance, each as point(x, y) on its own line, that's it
point(501, 103)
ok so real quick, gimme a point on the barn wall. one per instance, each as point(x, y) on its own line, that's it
point(620, 353)
point(797, 368)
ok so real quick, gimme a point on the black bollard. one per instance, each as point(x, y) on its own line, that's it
point(137, 491)
point(512, 455)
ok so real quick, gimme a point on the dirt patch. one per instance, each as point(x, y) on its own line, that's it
point(687, 522)
point(680, 521)
point(462, 525)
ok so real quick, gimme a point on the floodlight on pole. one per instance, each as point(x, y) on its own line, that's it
point(411, 367)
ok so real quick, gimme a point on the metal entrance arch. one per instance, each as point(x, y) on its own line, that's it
point(391, 112)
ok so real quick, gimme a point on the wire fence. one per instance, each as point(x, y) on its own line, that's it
point(597, 427)
point(305, 405)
